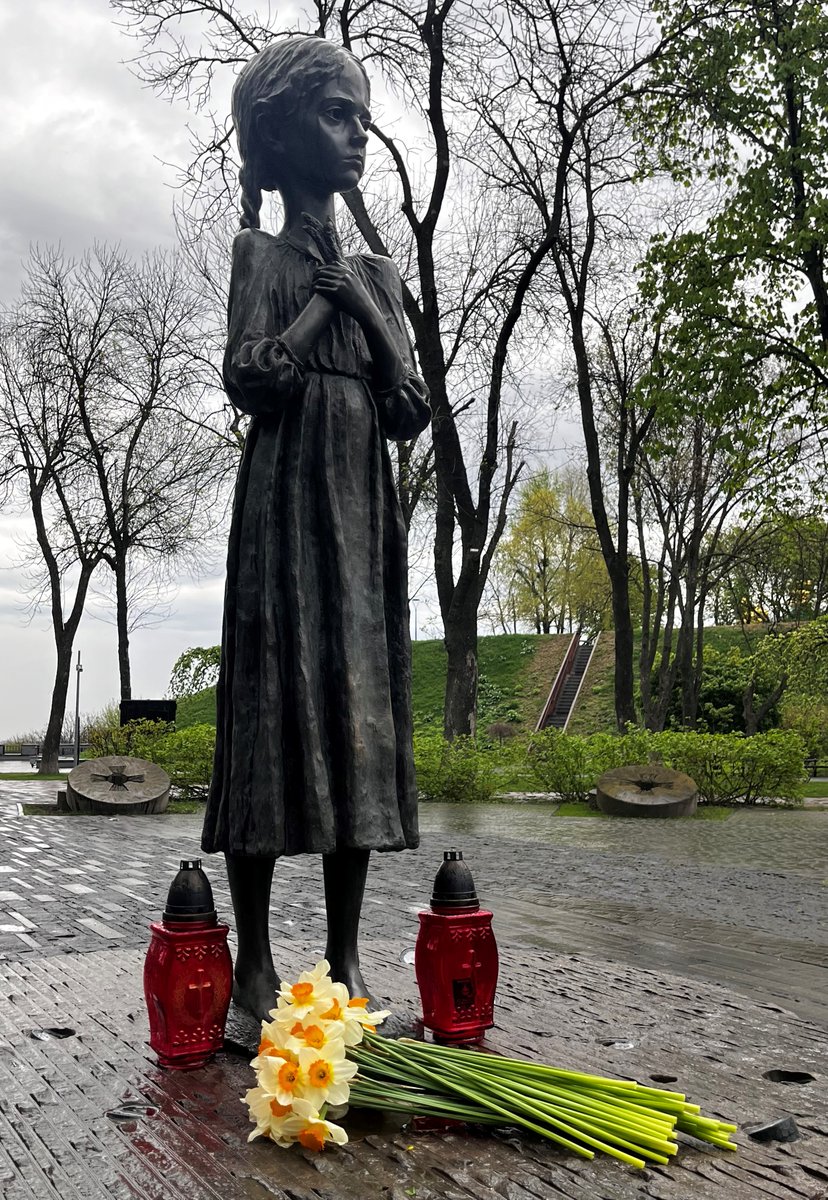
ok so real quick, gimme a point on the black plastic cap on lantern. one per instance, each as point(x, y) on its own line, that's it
point(454, 889)
point(190, 897)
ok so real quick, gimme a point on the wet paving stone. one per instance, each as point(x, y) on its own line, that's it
point(582, 915)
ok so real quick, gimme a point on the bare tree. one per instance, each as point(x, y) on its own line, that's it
point(42, 470)
point(469, 261)
point(125, 338)
point(107, 440)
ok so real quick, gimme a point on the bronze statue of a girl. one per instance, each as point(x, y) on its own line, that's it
point(314, 743)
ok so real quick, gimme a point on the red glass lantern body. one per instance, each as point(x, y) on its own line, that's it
point(188, 979)
point(456, 963)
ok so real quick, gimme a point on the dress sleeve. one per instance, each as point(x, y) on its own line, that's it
point(403, 409)
point(260, 372)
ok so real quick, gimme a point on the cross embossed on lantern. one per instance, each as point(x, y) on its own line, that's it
point(200, 993)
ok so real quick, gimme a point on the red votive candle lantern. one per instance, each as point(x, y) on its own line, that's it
point(188, 974)
point(455, 958)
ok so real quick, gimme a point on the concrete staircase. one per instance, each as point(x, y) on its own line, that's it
point(563, 695)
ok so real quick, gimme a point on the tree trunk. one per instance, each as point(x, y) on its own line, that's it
point(621, 619)
point(54, 731)
point(122, 620)
point(460, 717)
point(754, 716)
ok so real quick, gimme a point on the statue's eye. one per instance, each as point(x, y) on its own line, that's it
point(336, 113)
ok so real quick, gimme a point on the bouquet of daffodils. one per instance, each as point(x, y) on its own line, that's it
point(302, 1069)
point(320, 1052)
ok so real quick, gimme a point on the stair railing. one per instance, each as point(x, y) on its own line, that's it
point(576, 697)
point(564, 671)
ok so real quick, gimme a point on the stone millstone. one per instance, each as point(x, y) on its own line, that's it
point(649, 791)
point(117, 785)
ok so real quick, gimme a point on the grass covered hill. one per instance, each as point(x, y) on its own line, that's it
point(595, 712)
point(516, 673)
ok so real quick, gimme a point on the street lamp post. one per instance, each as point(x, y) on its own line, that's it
point(416, 605)
point(79, 670)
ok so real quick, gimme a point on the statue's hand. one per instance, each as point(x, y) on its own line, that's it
point(338, 283)
point(325, 238)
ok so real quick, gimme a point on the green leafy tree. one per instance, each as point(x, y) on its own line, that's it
point(551, 558)
point(738, 101)
point(779, 572)
point(195, 670)
point(795, 662)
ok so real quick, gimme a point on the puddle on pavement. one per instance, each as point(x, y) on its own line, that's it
point(773, 840)
point(131, 1110)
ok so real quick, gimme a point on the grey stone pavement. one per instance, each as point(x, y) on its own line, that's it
point(693, 951)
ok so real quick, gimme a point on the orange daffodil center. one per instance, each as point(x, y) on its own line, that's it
point(301, 1064)
point(312, 1137)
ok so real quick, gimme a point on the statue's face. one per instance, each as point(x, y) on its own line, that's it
point(325, 146)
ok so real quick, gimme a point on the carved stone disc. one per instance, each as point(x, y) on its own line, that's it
point(647, 791)
point(117, 784)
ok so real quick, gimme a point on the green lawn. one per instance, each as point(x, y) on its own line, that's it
point(517, 671)
point(199, 709)
point(817, 789)
point(18, 775)
point(175, 808)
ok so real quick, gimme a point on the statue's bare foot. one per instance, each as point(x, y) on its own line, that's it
point(348, 972)
point(256, 992)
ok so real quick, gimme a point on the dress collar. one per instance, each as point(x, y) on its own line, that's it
point(308, 249)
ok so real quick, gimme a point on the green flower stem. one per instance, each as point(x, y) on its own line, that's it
point(497, 1062)
point(646, 1125)
point(595, 1109)
point(627, 1115)
point(425, 1105)
point(511, 1117)
point(656, 1138)
point(514, 1066)
point(573, 1126)
point(484, 1091)
point(584, 1126)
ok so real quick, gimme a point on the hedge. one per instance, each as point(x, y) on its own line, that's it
point(727, 768)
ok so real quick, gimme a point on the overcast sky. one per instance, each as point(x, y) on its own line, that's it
point(82, 147)
point(87, 156)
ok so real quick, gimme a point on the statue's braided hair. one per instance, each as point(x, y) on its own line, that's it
point(283, 78)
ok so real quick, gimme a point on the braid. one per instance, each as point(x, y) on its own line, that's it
point(251, 198)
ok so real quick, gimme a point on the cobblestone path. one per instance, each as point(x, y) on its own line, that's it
point(77, 894)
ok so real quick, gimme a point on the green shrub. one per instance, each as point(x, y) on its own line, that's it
point(187, 757)
point(725, 676)
point(808, 717)
point(185, 754)
point(137, 739)
point(727, 768)
point(561, 763)
point(458, 772)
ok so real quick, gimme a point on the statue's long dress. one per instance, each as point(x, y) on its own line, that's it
point(314, 741)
